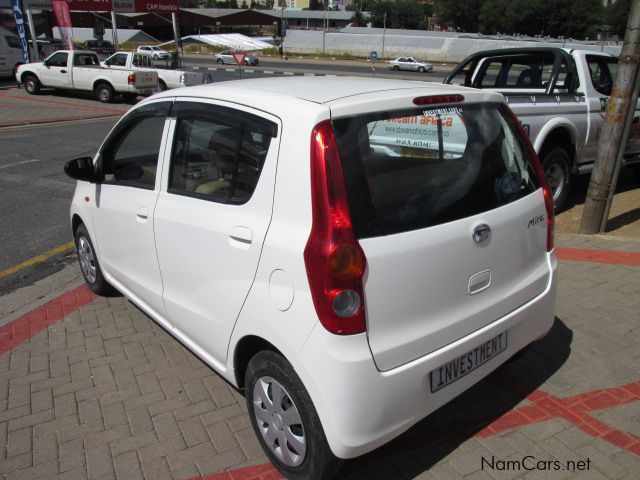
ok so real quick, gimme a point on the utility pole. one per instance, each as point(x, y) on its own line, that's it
point(612, 136)
point(384, 32)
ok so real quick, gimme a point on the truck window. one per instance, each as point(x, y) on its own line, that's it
point(12, 42)
point(58, 59)
point(603, 71)
point(119, 60)
point(85, 60)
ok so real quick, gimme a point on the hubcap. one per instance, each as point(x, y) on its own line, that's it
point(555, 179)
point(87, 260)
point(279, 421)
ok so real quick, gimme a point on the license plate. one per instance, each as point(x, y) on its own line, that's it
point(467, 363)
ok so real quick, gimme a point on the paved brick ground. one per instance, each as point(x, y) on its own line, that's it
point(17, 107)
point(92, 388)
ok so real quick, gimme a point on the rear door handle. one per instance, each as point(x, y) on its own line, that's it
point(142, 213)
point(63, 71)
point(243, 235)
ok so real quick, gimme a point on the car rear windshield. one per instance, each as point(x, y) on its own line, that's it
point(423, 167)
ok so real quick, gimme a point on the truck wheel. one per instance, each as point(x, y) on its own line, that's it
point(31, 84)
point(285, 420)
point(556, 169)
point(161, 86)
point(104, 93)
point(129, 97)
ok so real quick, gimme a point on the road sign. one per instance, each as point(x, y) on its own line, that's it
point(374, 55)
point(239, 57)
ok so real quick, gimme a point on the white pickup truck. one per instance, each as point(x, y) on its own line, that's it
point(560, 96)
point(81, 70)
point(144, 61)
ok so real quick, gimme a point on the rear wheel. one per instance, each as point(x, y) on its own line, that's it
point(31, 84)
point(421, 69)
point(104, 92)
point(396, 68)
point(219, 61)
point(556, 169)
point(285, 420)
point(89, 265)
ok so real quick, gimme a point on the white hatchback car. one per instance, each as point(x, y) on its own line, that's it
point(351, 260)
point(156, 53)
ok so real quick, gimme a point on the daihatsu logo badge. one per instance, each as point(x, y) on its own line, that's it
point(481, 233)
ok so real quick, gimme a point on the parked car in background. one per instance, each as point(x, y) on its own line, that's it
point(227, 57)
point(103, 48)
point(410, 63)
point(156, 53)
point(143, 61)
point(349, 290)
point(81, 70)
point(560, 96)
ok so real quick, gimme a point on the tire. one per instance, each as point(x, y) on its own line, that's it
point(129, 97)
point(395, 67)
point(219, 61)
point(310, 459)
point(89, 264)
point(421, 69)
point(162, 86)
point(31, 84)
point(246, 62)
point(104, 93)
point(556, 169)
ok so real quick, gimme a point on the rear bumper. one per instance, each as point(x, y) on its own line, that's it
point(362, 408)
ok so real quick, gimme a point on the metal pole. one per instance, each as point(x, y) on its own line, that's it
point(613, 128)
point(174, 21)
point(384, 32)
point(114, 30)
point(32, 31)
point(324, 25)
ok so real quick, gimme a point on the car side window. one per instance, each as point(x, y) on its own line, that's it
point(602, 70)
point(131, 157)
point(58, 59)
point(13, 42)
point(218, 154)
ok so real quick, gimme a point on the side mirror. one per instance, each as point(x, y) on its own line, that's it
point(45, 63)
point(81, 169)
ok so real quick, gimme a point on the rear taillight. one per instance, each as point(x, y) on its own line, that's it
point(542, 179)
point(333, 257)
point(131, 79)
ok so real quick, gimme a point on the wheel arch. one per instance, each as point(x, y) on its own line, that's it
point(76, 221)
point(557, 134)
point(245, 349)
point(101, 81)
point(25, 73)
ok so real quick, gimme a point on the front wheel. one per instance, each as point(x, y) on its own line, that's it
point(89, 265)
point(31, 84)
point(285, 421)
point(219, 61)
point(556, 169)
point(421, 69)
point(395, 67)
point(104, 93)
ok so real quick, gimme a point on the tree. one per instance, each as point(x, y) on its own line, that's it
point(459, 14)
point(616, 16)
point(358, 19)
point(244, 4)
point(315, 5)
point(407, 14)
point(233, 3)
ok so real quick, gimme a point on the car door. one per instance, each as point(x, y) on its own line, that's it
point(212, 217)
point(411, 64)
point(55, 73)
point(128, 163)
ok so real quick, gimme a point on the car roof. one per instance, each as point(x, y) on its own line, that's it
point(320, 89)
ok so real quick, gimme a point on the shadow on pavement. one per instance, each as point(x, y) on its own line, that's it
point(443, 431)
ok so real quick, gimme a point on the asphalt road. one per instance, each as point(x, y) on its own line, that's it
point(35, 194)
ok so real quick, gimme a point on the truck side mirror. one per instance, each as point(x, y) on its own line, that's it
point(81, 169)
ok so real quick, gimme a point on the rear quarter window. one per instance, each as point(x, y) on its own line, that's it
point(420, 168)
